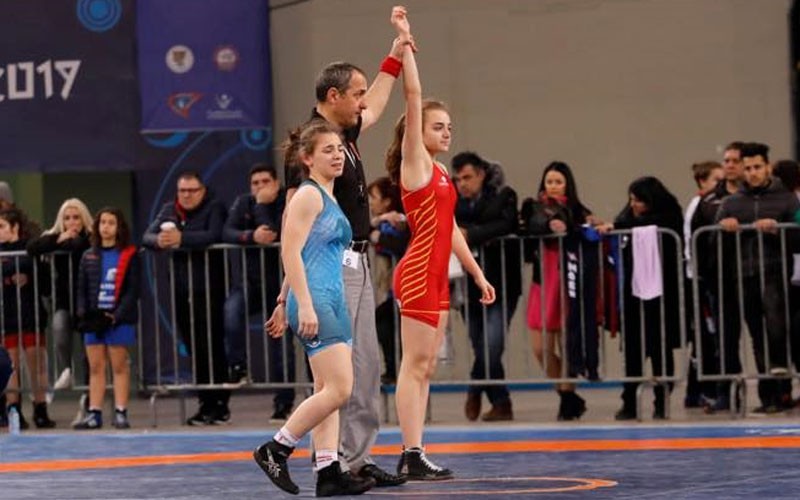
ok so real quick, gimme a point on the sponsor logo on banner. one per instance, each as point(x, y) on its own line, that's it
point(182, 102)
point(180, 59)
point(226, 57)
point(225, 109)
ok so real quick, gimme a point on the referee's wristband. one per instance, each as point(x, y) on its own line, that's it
point(392, 66)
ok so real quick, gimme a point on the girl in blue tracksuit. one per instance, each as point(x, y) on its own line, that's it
point(108, 287)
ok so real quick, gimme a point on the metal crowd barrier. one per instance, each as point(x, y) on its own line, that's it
point(178, 283)
point(739, 290)
point(21, 315)
point(182, 340)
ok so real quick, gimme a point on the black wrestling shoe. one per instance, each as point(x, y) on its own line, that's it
point(415, 466)
point(271, 457)
point(331, 481)
point(381, 477)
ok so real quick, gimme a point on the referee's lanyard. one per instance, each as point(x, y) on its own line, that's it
point(350, 155)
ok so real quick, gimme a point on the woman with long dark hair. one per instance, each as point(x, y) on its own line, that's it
point(650, 204)
point(23, 316)
point(557, 210)
point(107, 305)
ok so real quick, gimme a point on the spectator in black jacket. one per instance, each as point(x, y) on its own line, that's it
point(763, 202)
point(63, 245)
point(107, 306)
point(254, 219)
point(485, 211)
point(23, 317)
point(187, 226)
point(723, 299)
point(650, 203)
point(558, 210)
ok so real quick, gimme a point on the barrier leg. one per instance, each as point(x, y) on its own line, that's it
point(639, 406)
point(153, 410)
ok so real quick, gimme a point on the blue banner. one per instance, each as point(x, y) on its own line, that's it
point(204, 65)
point(67, 85)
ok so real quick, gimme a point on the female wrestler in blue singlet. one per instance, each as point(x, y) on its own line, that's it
point(315, 235)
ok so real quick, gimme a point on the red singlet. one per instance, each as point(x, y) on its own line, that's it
point(421, 282)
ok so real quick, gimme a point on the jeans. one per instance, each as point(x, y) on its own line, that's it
point(494, 334)
point(236, 331)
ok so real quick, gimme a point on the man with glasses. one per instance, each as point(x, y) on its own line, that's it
point(187, 226)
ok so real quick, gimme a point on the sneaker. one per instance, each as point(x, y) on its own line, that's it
point(64, 380)
point(237, 376)
point(381, 477)
point(778, 371)
point(121, 419)
point(40, 417)
point(210, 416)
point(271, 457)
point(414, 465)
point(281, 413)
point(331, 481)
point(767, 410)
point(94, 420)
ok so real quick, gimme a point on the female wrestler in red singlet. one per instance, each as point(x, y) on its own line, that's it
point(420, 280)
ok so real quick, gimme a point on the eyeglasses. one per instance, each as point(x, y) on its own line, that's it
point(189, 190)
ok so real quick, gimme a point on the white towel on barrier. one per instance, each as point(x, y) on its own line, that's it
point(646, 282)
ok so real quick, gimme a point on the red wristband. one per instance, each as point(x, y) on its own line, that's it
point(392, 66)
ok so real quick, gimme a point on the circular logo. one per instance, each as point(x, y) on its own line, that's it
point(226, 58)
point(180, 59)
point(257, 139)
point(99, 15)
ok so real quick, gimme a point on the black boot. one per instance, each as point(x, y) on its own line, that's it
point(331, 482)
point(271, 457)
point(40, 417)
point(572, 406)
point(415, 466)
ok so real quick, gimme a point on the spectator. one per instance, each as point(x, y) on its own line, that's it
point(650, 203)
point(707, 175)
point(763, 202)
point(107, 305)
point(63, 245)
point(389, 237)
point(558, 210)
point(23, 317)
point(723, 300)
point(255, 219)
point(485, 211)
point(788, 171)
point(188, 225)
